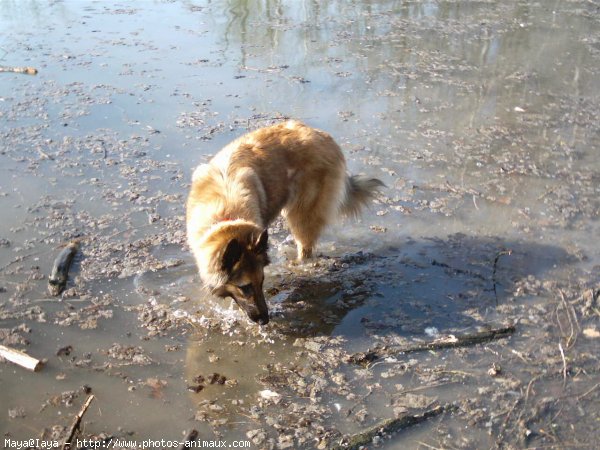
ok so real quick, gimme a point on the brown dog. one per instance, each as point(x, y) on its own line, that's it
point(289, 168)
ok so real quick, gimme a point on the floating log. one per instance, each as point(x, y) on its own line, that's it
point(451, 341)
point(57, 281)
point(20, 358)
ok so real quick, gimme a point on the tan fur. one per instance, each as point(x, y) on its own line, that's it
point(287, 168)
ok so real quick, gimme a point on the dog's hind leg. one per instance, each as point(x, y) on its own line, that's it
point(306, 230)
point(308, 215)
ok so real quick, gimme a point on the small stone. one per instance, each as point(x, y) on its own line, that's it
point(201, 416)
point(495, 370)
point(591, 333)
point(16, 413)
point(312, 346)
point(216, 378)
point(339, 378)
point(199, 379)
point(257, 436)
point(64, 351)
point(268, 394)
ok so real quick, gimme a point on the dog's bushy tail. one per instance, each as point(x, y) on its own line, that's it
point(359, 191)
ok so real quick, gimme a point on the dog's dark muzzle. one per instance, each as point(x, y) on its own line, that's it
point(261, 319)
point(256, 309)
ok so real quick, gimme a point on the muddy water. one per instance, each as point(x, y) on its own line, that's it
point(481, 118)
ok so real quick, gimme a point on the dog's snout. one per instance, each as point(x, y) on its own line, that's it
point(256, 310)
point(263, 320)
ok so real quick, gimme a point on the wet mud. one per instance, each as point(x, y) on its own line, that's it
point(480, 116)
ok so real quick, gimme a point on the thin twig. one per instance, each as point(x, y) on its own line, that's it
point(579, 397)
point(76, 423)
point(44, 155)
point(572, 336)
point(360, 401)
point(520, 355)
point(429, 446)
point(529, 385)
point(422, 388)
point(562, 355)
point(504, 425)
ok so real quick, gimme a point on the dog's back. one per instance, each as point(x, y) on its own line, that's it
point(289, 167)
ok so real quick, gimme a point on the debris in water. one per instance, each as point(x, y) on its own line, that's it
point(60, 270)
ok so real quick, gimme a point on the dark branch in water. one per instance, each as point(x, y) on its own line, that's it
point(365, 438)
point(76, 423)
point(498, 255)
point(451, 341)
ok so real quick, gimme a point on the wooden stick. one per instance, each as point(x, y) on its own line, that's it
point(76, 422)
point(20, 358)
point(26, 70)
point(365, 439)
point(366, 358)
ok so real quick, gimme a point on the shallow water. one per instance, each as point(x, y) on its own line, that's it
point(482, 119)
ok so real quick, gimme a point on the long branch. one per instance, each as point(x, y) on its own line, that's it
point(365, 438)
point(366, 358)
point(76, 423)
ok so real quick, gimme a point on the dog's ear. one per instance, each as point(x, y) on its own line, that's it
point(262, 243)
point(232, 255)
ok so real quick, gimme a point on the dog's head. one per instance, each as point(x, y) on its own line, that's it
point(238, 260)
